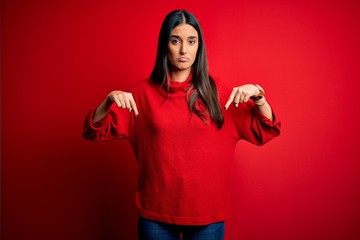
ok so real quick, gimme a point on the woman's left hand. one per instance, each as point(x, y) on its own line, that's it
point(242, 94)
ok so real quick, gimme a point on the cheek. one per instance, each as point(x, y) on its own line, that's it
point(171, 57)
point(194, 52)
point(171, 52)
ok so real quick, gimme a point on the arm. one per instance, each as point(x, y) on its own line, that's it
point(255, 120)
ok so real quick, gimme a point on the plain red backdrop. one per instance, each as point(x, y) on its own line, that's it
point(61, 58)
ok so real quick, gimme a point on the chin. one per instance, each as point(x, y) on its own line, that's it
point(182, 67)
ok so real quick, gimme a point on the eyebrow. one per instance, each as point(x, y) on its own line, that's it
point(176, 36)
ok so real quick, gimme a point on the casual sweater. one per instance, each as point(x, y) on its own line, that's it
point(184, 162)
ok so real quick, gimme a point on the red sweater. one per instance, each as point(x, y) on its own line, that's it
point(184, 163)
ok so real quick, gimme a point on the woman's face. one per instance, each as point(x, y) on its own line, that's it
point(182, 47)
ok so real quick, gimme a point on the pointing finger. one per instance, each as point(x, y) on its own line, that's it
point(133, 106)
point(231, 99)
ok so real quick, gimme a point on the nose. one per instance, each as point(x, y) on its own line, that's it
point(183, 49)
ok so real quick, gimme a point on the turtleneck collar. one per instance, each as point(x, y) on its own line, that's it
point(179, 86)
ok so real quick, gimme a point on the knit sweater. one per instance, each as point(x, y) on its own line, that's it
point(184, 162)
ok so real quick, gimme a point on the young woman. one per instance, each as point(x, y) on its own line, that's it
point(183, 129)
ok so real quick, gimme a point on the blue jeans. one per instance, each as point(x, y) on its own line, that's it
point(151, 230)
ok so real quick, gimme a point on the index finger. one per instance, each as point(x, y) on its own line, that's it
point(231, 99)
point(133, 106)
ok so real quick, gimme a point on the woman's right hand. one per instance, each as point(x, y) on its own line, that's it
point(123, 100)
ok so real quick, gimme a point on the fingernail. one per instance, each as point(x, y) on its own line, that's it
point(236, 104)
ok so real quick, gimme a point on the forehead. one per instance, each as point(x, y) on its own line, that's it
point(184, 30)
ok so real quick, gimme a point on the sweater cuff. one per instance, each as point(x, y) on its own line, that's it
point(266, 121)
point(95, 126)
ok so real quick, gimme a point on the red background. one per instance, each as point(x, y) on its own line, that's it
point(61, 58)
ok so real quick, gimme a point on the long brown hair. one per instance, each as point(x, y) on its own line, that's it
point(203, 87)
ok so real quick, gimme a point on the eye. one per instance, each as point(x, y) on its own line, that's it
point(175, 41)
point(192, 42)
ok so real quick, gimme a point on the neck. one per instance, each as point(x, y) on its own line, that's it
point(180, 76)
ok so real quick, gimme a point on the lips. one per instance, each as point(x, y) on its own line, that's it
point(183, 59)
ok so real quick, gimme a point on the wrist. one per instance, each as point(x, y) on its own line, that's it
point(260, 95)
point(260, 102)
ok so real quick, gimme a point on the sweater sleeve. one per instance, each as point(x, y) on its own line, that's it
point(115, 125)
point(255, 127)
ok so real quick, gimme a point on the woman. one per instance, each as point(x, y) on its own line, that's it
point(184, 131)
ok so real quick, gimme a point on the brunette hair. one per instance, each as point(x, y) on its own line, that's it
point(203, 88)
